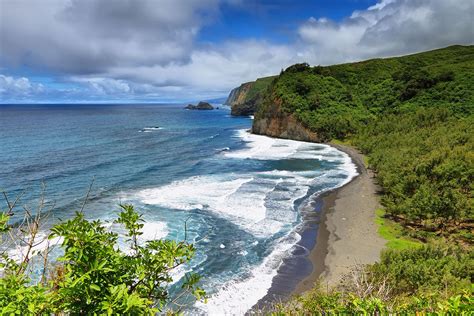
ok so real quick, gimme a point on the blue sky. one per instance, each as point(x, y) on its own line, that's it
point(276, 21)
point(83, 51)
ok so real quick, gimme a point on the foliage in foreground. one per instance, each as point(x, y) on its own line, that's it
point(433, 278)
point(94, 276)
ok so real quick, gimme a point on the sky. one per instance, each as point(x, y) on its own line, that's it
point(159, 51)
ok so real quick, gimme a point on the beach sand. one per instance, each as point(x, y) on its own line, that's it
point(347, 234)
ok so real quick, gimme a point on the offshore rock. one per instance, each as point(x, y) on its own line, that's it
point(200, 106)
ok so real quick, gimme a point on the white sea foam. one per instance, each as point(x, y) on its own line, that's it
point(153, 230)
point(192, 193)
point(229, 196)
point(236, 297)
point(267, 148)
point(263, 147)
point(41, 243)
point(261, 203)
point(349, 167)
point(150, 129)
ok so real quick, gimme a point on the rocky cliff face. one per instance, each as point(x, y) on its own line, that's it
point(238, 95)
point(272, 121)
point(238, 100)
point(245, 99)
point(269, 120)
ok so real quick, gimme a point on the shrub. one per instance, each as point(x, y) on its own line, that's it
point(95, 276)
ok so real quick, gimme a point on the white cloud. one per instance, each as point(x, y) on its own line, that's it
point(391, 27)
point(105, 85)
point(18, 86)
point(215, 68)
point(89, 36)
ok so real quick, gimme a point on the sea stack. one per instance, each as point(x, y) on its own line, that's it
point(200, 106)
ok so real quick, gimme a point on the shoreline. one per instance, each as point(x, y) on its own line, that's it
point(348, 234)
point(327, 236)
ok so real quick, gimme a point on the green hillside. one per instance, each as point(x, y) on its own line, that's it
point(245, 99)
point(412, 115)
point(258, 88)
point(336, 100)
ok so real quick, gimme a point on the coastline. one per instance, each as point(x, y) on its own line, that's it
point(347, 235)
point(338, 232)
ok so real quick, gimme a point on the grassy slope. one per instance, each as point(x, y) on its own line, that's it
point(393, 233)
point(258, 87)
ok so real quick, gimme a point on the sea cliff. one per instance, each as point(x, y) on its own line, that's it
point(336, 102)
point(275, 122)
point(244, 100)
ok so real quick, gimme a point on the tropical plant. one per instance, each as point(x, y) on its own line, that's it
point(95, 275)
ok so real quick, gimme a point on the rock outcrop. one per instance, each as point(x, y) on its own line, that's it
point(201, 106)
point(275, 123)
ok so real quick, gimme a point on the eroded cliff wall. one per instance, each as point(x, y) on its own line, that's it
point(274, 122)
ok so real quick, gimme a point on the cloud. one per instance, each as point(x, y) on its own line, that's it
point(149, 49)
point(391, 27)
point(106, 86)
point(18, 87)
point(79, 90)
point(89, 36)
point(215, 68)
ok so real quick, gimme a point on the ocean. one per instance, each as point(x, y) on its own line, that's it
point(241, 195)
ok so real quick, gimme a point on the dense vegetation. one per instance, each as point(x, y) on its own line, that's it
point(425, 164)
point(93, 276)
point(258, 88)
point(413, 117)
point(432, 278)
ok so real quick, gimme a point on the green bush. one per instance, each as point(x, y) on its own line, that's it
point(426, 270)
point(94, 276)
